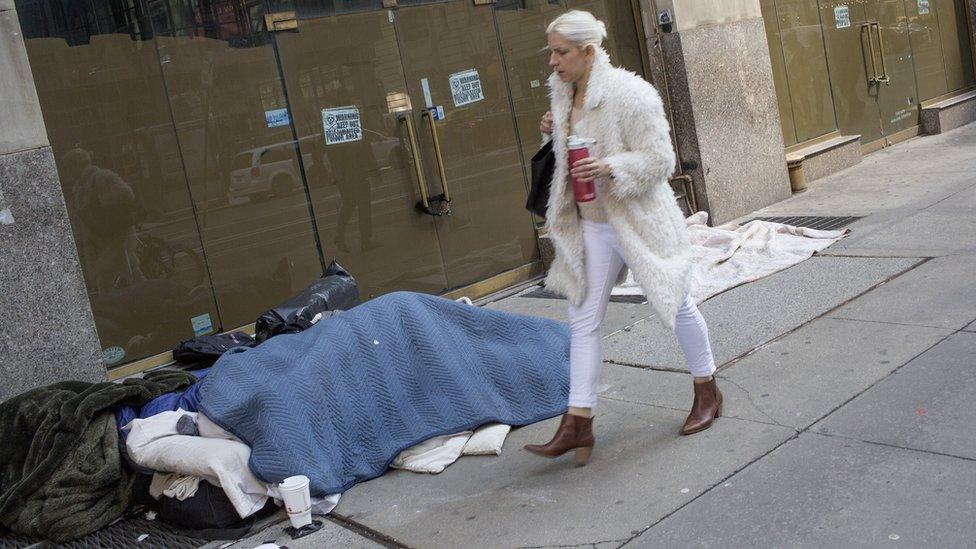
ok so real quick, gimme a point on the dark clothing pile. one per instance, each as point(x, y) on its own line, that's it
point(61, 472)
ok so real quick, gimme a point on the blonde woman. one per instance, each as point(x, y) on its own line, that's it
point(634, 221)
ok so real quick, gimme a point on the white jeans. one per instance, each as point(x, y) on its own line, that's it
point(603, 264)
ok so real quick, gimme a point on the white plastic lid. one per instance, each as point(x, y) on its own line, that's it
point(576, 142)
point(294, 482)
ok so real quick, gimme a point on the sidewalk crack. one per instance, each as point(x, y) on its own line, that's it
point(593, 545)
point(755, 404)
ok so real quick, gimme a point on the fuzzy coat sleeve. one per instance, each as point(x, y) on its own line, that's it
point(649, 158)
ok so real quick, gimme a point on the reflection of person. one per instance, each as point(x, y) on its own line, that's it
point(354, 165)
point(634, 221)
point(105, 213)
point(354, 170)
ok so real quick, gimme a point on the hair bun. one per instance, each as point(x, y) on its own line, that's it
point(580, 27)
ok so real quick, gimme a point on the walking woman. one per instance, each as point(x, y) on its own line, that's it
point(634, 220)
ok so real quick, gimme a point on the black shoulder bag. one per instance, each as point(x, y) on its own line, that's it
point(543, 165)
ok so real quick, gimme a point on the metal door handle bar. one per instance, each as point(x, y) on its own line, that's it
point(424, 203)
point(874, 78)
point(446, 196)
point(884, 65)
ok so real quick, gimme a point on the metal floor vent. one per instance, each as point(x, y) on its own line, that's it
point(821, 223)
point(121, 535)
point(542, 293)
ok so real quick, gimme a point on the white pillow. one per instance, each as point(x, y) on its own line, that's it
point(487, 441)
point(432, 455)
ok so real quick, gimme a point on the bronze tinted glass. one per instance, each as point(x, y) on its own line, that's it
point(806, 68)
point(240, 156)
point(956, 43)
point(522, 30)
point(926, 41)
point(363, 185)
point(850, 67)
point(897, 98)
point(453, 47)
point(780, 78)
point(622, 41)
point(108, 120)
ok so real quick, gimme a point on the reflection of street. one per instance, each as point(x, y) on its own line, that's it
point(144, 286)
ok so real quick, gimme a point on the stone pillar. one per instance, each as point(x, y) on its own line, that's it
point(47, 333)
point(715, 61)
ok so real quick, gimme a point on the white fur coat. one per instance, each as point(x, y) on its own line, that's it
point(625, 115)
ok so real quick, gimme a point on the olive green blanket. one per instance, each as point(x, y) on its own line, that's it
point(61, 471)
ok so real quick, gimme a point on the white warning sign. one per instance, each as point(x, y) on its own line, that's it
point(466, 87)
point(842, 17)
point(342, 125)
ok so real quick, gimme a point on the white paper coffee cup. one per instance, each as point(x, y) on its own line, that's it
point(297, 499)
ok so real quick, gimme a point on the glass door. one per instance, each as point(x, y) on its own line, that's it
point(351, 107)
point(896, 94)
point(872, 74)
point(853, 63)
point(940, 45)
point(232, 123)
point(466, 131)
point(522, 30)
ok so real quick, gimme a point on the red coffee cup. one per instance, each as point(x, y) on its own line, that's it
point(583, 191)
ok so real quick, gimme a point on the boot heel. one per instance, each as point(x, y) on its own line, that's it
point(718, 413)
point(583, 455)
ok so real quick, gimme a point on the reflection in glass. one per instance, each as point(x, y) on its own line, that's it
point(446, 44)
point(522, 30)
point(364, 190)
point(105, 111)
point(239, 153)
point(806, 67)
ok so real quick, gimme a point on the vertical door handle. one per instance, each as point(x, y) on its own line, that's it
point(874, 78)
point(884, 78)
point(438, 156)
point(417, 165)
point(423, 204)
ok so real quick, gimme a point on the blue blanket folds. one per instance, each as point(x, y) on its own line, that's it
point(339, 401)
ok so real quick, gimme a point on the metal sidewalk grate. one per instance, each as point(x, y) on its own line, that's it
point(821, 223)
point(121, 535)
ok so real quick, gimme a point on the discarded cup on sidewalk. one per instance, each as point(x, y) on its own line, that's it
point(297, 499)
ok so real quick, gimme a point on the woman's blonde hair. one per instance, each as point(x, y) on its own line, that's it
point(579, 27)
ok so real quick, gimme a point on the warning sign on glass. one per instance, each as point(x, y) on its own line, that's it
point(466, 87)
point(342, 125)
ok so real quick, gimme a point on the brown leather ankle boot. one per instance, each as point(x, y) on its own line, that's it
point(574, 433)
point(707, 407)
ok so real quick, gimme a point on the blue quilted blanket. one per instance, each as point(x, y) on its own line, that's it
point(340, 400)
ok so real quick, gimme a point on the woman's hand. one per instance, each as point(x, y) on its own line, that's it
point(545, 126)
point(590, 168)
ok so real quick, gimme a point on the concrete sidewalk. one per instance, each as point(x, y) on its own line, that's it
point(849, 420)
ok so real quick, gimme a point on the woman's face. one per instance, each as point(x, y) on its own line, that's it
point(567, 59)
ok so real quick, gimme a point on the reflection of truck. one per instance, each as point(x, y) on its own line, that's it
point(264, 171)
point(273, 169)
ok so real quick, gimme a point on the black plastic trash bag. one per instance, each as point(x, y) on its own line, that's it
point(203, 351)
point(337, 290)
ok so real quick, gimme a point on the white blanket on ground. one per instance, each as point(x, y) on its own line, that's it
point(216, 456)
point(434, 455)
point(730, 255)
point(154, 443)
point(219, 458)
